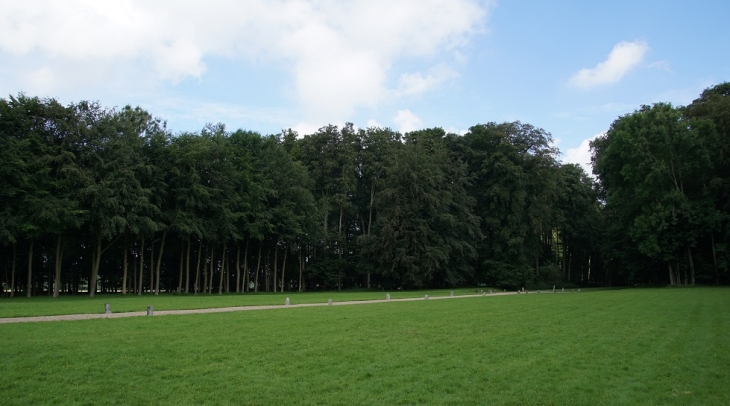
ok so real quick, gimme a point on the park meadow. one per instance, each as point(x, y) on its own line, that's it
point(628, 346)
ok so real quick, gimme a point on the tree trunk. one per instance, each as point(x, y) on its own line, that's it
point(537, 254)
point(141, 267)
point(205, 276)
point(565, 258)
point(223, 270)
point(691, 264)
point(267, 274)
point(182, 262)
point(671, 273)
point(12, 273)
point(57, 278)
point(197, 267)
point(276, 260)
point(244, 288)
point(152, 265)
point(134, 277)
point(678, 273)
point(228, 274)
point(7, 282)
point(159, 260)
point(96, 260)
point(301, 265)
point(211, 269)
point(258, 267)
point(124, 266)
point(370, 220)
point(238, 267)
point(339, 249)
point(187, 269)
point(714, 259)
point(283, 267)
point(29, 285)
point(570, 262)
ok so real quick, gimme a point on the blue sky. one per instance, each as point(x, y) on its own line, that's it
point(570, 67)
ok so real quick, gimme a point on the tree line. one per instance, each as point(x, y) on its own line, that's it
point(664, 176)
point(99, 199)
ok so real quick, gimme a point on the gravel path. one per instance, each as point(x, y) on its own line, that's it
point(226, 309)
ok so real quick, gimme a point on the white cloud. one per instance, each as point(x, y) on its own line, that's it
point(415, 83)
point(305, 128)
point(339, 54)
point(661, 65)
point(624, 57)
point(407, 121)
point(372, 123)
point(410, 84)
point(454, 130)
point(581, 155)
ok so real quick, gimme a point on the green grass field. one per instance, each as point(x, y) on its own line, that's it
point(634, 346)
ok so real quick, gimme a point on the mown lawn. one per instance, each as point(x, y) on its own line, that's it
point(637, 346)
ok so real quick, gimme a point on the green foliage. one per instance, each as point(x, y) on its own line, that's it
point(426, 229)
point(655, 167)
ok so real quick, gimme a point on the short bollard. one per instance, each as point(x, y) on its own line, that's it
point(563, 290)
point(286, 302)
point(329, 302)
point(538, 291)
point(452, 293)
point(107, 308)
point(553, 288)
point(484, 293)
point(387, 296)
point(425, 297)
point(149, 310)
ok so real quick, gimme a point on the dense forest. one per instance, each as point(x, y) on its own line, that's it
point(94, 199)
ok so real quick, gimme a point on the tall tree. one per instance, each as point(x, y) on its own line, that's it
point(514, 174)
point(426, 229)
point(713, 105)
point(114, 196)
point(652, 165)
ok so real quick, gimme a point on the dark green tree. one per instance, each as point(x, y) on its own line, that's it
point(426, 230)
point(652, 165)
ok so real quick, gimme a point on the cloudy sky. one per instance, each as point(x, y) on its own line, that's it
point(570, 67)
